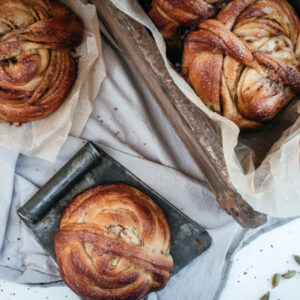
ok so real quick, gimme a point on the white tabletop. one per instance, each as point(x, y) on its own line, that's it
point(249, 278)
point(254, 266)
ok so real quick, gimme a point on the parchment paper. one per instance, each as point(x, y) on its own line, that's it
point(264, 165)
point(44, 138)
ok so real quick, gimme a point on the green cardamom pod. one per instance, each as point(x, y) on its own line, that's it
point(266, 296)
point(275, 280)
point(297, 259)
point(289, 274)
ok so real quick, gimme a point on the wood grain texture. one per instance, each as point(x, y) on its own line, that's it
point(190, 123)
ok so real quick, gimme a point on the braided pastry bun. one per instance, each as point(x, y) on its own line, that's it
point(36, 69)
point(113, 243)
point(245, 63)
point(168, 15)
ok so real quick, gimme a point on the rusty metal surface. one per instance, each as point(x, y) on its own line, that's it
point(89, 167)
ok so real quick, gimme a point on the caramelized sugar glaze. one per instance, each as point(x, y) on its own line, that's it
point(36, 68)
point(113, 243)
point(244, 62)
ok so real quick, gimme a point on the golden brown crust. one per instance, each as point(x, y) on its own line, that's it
point(167, 15)
point(248, 59)
point(113, 243)
point(36, 69)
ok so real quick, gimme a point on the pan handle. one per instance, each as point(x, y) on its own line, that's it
point(40, 204)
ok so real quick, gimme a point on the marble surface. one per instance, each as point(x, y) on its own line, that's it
point(253, 267)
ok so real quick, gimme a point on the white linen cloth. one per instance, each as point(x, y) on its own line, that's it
point(128, 124)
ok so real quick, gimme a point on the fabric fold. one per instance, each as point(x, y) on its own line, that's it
point(8, 160)
point(129, 125)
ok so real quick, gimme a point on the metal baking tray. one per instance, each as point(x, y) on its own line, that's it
point(89, 167)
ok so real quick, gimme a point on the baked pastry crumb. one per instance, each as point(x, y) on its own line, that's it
point(37, 70)
point(113, 243)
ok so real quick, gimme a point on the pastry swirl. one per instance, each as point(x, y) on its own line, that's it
point(113, 243)
point(245, 63)
point(168, 15)
point(36, 69)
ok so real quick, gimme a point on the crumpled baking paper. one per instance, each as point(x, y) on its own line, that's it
point(263, 165)
point(45, 137)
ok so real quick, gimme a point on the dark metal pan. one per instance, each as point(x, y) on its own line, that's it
point(92, 166)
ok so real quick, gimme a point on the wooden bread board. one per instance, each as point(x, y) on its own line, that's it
point(190, 123)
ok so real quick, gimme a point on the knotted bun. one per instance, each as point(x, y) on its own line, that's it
point(168, 15)
point(113, 243)
point(36, 68)
point(245, 63)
